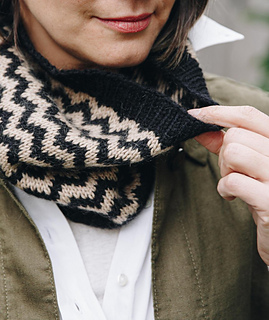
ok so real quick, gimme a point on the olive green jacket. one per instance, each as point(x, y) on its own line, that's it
point(205, 263)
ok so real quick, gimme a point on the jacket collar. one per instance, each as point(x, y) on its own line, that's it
point(196, 151)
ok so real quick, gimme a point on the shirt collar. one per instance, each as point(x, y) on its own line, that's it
point(207, 32)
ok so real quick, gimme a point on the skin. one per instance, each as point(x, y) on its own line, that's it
point(243, 160)
point(69, 34)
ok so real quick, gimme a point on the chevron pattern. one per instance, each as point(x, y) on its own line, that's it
point(70, 146)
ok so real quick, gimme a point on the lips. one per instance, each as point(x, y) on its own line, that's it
point(130, 24)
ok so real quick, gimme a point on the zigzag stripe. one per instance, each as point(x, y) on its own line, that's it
point(89, 151)
point(31, 128)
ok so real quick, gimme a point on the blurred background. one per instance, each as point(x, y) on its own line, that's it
point(245, 60)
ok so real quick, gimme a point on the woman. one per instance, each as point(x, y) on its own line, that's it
point(94, 100)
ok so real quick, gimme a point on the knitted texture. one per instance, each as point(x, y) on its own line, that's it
point(87, 139)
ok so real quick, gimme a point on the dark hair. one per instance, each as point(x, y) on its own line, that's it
point(171, 39)
point(174, 35)
point(10, 14)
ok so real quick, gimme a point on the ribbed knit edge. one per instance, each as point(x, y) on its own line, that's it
point(151, 109)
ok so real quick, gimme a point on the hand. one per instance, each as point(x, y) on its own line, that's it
point(243, 160)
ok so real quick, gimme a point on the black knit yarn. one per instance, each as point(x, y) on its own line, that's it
point(87, 140)
point(143, 104)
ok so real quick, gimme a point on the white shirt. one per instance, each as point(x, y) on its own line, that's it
point(127, 293)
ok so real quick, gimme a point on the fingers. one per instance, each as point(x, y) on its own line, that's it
point(244, 161)
point(255, 194)
point(242, 117)
point(236, 157)
point(245, 152)
point(238, 185)
point(247, 138)
point(243, 149)
point(262, 239)
point(211, 140)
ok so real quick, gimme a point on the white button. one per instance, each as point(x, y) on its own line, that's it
point(180, 150)
point(122, 280)
point(148, 203)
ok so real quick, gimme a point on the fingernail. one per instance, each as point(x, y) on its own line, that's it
point(194, 112)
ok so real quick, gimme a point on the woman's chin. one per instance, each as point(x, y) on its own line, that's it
point(120, 61)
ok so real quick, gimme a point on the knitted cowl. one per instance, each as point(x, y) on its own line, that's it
point(87, 139)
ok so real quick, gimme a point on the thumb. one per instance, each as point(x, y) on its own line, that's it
point(212, 141)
